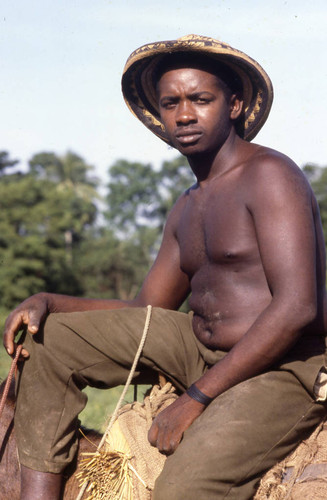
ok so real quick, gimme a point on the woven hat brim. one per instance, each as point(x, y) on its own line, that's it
point(139, 92)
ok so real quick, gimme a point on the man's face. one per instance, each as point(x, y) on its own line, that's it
point(194, 109)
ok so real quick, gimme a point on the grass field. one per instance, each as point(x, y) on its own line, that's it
point(101, 403)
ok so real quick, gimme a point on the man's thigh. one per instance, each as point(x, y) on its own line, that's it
point(100, 346)
point(239, 436)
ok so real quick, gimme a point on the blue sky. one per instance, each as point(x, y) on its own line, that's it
point(61, 63)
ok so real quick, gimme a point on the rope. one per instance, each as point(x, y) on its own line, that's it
point(151, 405)
point(9, 378)
point(123, 394)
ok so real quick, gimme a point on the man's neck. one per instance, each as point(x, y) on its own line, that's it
point(209, 165)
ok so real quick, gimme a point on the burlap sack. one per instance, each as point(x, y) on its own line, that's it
point(300, 476)
point(127, 465)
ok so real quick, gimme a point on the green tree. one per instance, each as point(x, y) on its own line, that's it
point(43, 216)
point(317, 177)
point(5, 162)
point(138, 201)
point(21, 249)
point(69, 170)
point(51, 238)
point(176, 177)
point(111, 267)
point(70, 195)
point(132, 193)
point(139, 196)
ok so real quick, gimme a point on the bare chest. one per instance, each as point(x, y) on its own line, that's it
point(216, 228)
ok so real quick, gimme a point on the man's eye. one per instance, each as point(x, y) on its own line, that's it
point(202, 100)
point(168, 105)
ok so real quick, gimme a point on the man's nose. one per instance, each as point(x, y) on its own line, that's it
point(185, 113)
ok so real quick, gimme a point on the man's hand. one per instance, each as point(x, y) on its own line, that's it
point(30, 313)
point(168, 427)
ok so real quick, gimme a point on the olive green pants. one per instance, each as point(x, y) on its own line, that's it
point(240, 435)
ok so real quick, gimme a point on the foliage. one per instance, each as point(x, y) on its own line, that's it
point(317, 177)
point(43, 215)
point(54, 238)
point(114, 259)
point(111, 267)
point(132, 194)
point(5, 162)
point(140, 197)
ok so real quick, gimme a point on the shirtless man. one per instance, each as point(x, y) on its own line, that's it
point(246, 242)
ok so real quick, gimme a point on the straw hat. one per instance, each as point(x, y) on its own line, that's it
point(138, 83)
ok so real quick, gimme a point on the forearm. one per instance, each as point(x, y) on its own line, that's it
point(65, 303)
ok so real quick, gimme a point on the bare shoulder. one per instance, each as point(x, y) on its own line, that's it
point(266, 161)
point(267, 171)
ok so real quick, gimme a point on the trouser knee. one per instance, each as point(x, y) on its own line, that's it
point(181, 481)
point(172, 488)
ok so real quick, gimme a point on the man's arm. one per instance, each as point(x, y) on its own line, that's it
point(165, 286)
point(280, 203)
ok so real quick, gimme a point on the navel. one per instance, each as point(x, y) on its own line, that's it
point(217, 316)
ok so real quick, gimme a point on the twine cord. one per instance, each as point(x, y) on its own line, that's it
point(123, 394)
point(9, 378)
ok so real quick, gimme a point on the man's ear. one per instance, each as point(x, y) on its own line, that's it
point(236, 106)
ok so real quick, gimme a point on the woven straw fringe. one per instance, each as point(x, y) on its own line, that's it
point(301, 475)
point(127, 465)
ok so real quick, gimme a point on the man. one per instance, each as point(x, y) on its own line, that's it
point(246, 242)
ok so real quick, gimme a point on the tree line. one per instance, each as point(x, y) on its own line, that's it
point(59, 233)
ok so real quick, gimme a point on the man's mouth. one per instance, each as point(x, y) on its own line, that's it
point(188, 136)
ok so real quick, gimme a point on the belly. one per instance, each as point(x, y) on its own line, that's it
point(219, 333)
point(226, 307)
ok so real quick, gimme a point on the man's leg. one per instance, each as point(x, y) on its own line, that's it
point(95, 348)
point(241, 434)
point(40, 485)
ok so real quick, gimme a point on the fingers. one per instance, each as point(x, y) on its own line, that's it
point(12, 326)
point(169, 426)
point(11, 348)
point(20, 353)
point(168, 444)
point(33, 323)
point(30, 314)
point(163, 438)
point(23, 355)
point(153, 434)
point(165, 433)
point(14, 323)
